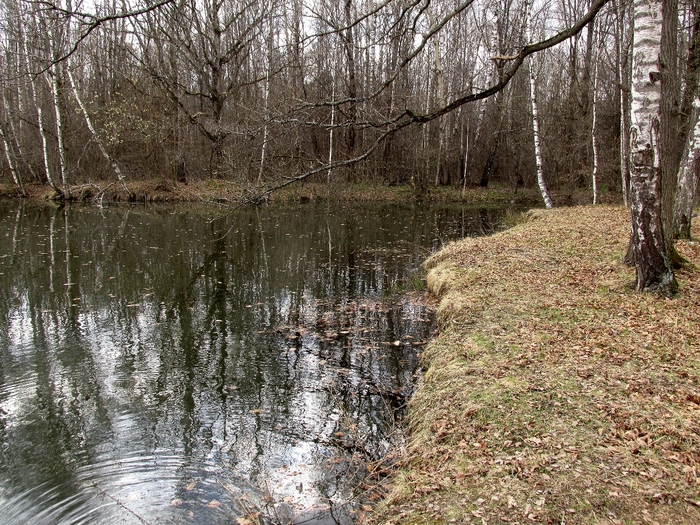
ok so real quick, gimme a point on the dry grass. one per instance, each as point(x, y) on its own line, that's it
point(554, 392)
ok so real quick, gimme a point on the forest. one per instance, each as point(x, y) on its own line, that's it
point(256, 91)
point(262, 94)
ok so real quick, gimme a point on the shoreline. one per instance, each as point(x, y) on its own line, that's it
point(223, 193)
point(554, 393)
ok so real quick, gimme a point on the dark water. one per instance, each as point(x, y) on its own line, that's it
point(159, 366)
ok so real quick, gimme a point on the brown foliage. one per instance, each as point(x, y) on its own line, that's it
point(555, 393)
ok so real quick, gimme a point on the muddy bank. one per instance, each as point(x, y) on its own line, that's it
point(554, 392)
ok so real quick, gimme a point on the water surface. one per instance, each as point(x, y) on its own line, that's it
point(167, 365)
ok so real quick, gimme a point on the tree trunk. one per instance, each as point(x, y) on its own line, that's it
point(535, 120)
point(653, 269)
point(686, 193)
point(594, 123)
point(440, 85)
point(60, 131)
point(16, 177)
point(670, 144)
point(350, 134)
point(623, 80)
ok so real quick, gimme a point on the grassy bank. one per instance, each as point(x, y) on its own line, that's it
point(220, 192)
point(554, 392)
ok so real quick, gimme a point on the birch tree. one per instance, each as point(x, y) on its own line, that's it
point(16, 177)
point(688, 180)
point(648, 243)
point(535, 117)
point(96, 137)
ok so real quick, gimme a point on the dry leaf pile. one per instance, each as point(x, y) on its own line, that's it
point(554, 393)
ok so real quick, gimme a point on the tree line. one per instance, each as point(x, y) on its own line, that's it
point(264, 93)
point(254, 91)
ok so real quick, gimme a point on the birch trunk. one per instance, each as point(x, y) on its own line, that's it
point(16, 133)
point(16, 177)
point(594, 122)
point(330, 133)
point(40, 122)
point(268, 58)
point(686, 193)
point(653, 270)
point(440, 84)
point(54, 86)
point(95, 136)
point(535, 119)
point(263, 149)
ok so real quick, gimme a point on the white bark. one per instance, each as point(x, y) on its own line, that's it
point(535, 119)
point(53, 40)
point(17, 133)
point(330, 133)
point(11, 164)
point(594, 124)
point(263, 150)
point(651, 259)
point(268, 53)
point(40, 119)
point(54, 86)
point(686, 193)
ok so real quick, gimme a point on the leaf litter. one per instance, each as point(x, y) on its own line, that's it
point(554, 392)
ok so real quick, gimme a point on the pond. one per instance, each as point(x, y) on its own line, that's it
point(178, 365)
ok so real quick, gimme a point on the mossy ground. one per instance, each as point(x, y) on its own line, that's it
point(555, 393)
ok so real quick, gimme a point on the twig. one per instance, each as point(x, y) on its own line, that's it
point(115, 500)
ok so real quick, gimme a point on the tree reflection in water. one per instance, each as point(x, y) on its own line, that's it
point(153, 369)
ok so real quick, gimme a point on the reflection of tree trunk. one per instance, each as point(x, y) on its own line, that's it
point(52, 251)
point(15, 231)
point(72, 286)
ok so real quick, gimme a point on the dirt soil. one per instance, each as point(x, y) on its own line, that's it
point(554, 392)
